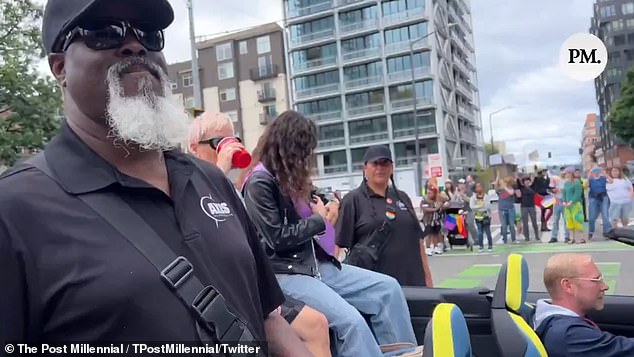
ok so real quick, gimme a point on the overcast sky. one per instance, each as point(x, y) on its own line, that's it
point(517, 44)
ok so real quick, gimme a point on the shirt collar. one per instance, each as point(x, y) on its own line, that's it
point(79, 169)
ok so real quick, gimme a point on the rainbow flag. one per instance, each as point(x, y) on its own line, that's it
point(548, 201)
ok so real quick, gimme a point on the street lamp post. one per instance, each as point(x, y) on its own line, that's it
point(491, 121)
point(194, 54)
point(416, 136)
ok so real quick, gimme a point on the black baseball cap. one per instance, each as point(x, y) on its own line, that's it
point(60, 16)
point(377, 152)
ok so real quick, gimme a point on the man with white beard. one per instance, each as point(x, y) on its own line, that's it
point(70, 266)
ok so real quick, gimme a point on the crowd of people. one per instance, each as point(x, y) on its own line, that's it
point(141, 239)
point(567, 197)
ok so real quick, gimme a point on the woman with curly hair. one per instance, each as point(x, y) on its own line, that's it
point(292, 223)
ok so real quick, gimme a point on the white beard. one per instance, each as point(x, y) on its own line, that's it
point(150, 121)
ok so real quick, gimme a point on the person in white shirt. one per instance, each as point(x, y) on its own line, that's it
point(481, 206)
point(621, 197)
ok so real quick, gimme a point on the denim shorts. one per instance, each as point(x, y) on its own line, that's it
point(620, 211)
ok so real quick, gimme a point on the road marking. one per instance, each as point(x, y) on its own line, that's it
point(459, 283)
point(609, 269)
point(480, 270)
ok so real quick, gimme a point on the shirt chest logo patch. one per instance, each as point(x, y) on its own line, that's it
point(401, 205)
point(217, 211)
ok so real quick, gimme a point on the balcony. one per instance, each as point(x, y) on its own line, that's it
point(407, 160)
point(315, 64)
point(313, 37)
point(364, 82)
point(355, 27)
point(309, 10)
point(399, 17)
point(328, 143)
point(333, 169)
point(325, 116)
point(411, 131)
point(468, 136)
point(402, 46)
point(458, 62)
point(464, 88)
point(355, 112)
point(402, 76)
point(368, 138)
point(266, 118)
point(266, 72)
point(363, 54)
point(267, 95)
point(340, 3)
point(317, 91)
point(407, 103)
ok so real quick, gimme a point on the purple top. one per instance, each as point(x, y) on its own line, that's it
point(302, 206)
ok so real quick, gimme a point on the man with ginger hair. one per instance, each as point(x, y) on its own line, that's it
point(576, 288)
point(205, 131)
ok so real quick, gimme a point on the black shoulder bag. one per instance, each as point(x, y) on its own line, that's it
point(366, 252)
point(215, 321)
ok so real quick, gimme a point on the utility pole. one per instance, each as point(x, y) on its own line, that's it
point(195, 72)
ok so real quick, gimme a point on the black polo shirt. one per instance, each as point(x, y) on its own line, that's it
point(362, 211)
point(67, 275)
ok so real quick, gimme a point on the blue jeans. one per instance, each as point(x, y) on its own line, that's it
point(482, 230)
point(558, 213)
point(596, 206)
point(507, 220)
point(342, 294)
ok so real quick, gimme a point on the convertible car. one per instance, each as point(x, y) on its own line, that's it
point(498, 322)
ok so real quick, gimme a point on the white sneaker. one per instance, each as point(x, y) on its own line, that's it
point(438, 249)
point(490, 250)
point(429, 251)
point(480, 250)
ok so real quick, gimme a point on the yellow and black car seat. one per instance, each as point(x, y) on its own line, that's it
point(446, 334)
point(514, 336)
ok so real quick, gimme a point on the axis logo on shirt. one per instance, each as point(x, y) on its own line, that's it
point(218, 211)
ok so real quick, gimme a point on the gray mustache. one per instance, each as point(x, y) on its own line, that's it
point(121, 66)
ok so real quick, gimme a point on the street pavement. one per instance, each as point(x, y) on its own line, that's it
point(461, 268)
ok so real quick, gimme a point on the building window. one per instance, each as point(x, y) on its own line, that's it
point(628, 8)
point(608, 10)
point(243, 48)
point(225, 70)
point(233, 115)
point(619, 40)
point(629, 23)
point(188, 80)
point(189, 102)
point(264, 44)
point(228, 94)
point(223, 52)
point(265, 65)
point(270, 110)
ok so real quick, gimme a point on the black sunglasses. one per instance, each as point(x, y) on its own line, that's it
point(108, 34)
point(213, 142)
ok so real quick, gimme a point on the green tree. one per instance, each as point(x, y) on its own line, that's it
point(29, 101)
point(490, 149)
point(622, 113)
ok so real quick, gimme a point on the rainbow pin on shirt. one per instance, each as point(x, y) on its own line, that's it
point(390, 215)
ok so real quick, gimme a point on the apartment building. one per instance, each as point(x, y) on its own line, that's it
point(242, 74)
point(350, 70)
point(613, 23)
point(591, 140)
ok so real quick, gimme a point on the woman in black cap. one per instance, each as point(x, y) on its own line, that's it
point(375, 207)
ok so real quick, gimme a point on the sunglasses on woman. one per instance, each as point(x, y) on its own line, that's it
point(107, 34)
point(214, 142)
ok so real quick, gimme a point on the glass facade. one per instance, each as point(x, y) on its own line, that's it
point(359, 15)
point(423, 90)
point(316, 80)
point(314, 53)
point(365, 99)
point(361, 43)
point(363, 71)
point(397, 6)
point(405, 33)
point(320, 106)
point(312, 27)
point(403, 63)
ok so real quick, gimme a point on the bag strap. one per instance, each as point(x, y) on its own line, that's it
point(215, 321)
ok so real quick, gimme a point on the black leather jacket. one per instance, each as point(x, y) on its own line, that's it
point(287, 238)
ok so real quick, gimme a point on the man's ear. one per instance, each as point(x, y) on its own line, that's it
point(57, 64)
point(193, 147)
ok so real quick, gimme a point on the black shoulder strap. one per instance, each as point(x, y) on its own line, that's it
point(215, 321)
